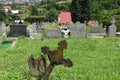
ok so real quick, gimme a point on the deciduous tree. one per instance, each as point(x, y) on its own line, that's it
point(80, 10)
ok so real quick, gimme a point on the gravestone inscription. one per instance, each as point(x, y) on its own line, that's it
point(17, 30)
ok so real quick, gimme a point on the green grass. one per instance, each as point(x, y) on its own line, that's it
point(93, 59)
point(1, 33)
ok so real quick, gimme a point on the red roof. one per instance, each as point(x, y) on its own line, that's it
point(65, 17)
point(92, 22)
point(7, 7)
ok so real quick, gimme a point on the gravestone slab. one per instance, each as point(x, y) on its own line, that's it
point(39, 29)
point(32, 28)
point(17, 30)
point(77, 30)
point(96, 31)
point(112, 29)
point(53, 33)
point(3, 27)
point(95, 28)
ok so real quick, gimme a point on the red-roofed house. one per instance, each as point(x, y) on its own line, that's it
point(64, 17)
point(92, 21)
point(7, 8)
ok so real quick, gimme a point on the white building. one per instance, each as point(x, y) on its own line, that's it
point(14, 11)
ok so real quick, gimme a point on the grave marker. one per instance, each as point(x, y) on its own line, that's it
point(112, 29)
point(3, 27)
point(97, 31)
point(17, 30)
point(55, 33)
point(77, 30)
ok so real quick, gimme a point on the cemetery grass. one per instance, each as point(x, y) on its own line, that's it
point(93, 59)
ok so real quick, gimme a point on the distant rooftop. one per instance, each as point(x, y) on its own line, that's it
point(65, 17)
point(7, 7)
point(92, 21)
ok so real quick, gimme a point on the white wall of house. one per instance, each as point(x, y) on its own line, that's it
point(14, 11)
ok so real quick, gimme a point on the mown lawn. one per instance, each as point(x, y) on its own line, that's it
point(93, 59)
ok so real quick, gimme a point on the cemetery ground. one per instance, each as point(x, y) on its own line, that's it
point(93, 59)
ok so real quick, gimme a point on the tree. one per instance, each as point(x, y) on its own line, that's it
point(104, 10)
point(64, 6)
point(52, 15)
point(95, 9)
point(80, 10)
point(34, 10)
point(3, 16)
point(51, 4)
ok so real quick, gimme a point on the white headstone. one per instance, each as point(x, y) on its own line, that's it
point(3, 27)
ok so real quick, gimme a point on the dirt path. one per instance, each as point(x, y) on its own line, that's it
point(13, 44)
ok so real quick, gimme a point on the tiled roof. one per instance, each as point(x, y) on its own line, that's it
point(7, 7)
point(65, 17)
point(92, 22)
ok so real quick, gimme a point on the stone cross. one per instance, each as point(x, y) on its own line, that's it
point(113, 21)
point(112, 29)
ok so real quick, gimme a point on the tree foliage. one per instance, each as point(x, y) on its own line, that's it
point(52, 15)
point(34, 10)
point(53, 7)
point(80, 10)
point(3, 16)
point(104, 10)
point(93, 9)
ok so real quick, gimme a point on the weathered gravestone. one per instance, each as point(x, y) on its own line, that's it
point(112, 29)
point(36, 30)
point(3, 28)
point(17, 30)
point(40, 27)
point(96, 30)
point(32, 31)
point(77, 30)
point(32, 28)
point(54, 33)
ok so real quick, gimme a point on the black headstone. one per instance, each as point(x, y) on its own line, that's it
point(17, 30)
